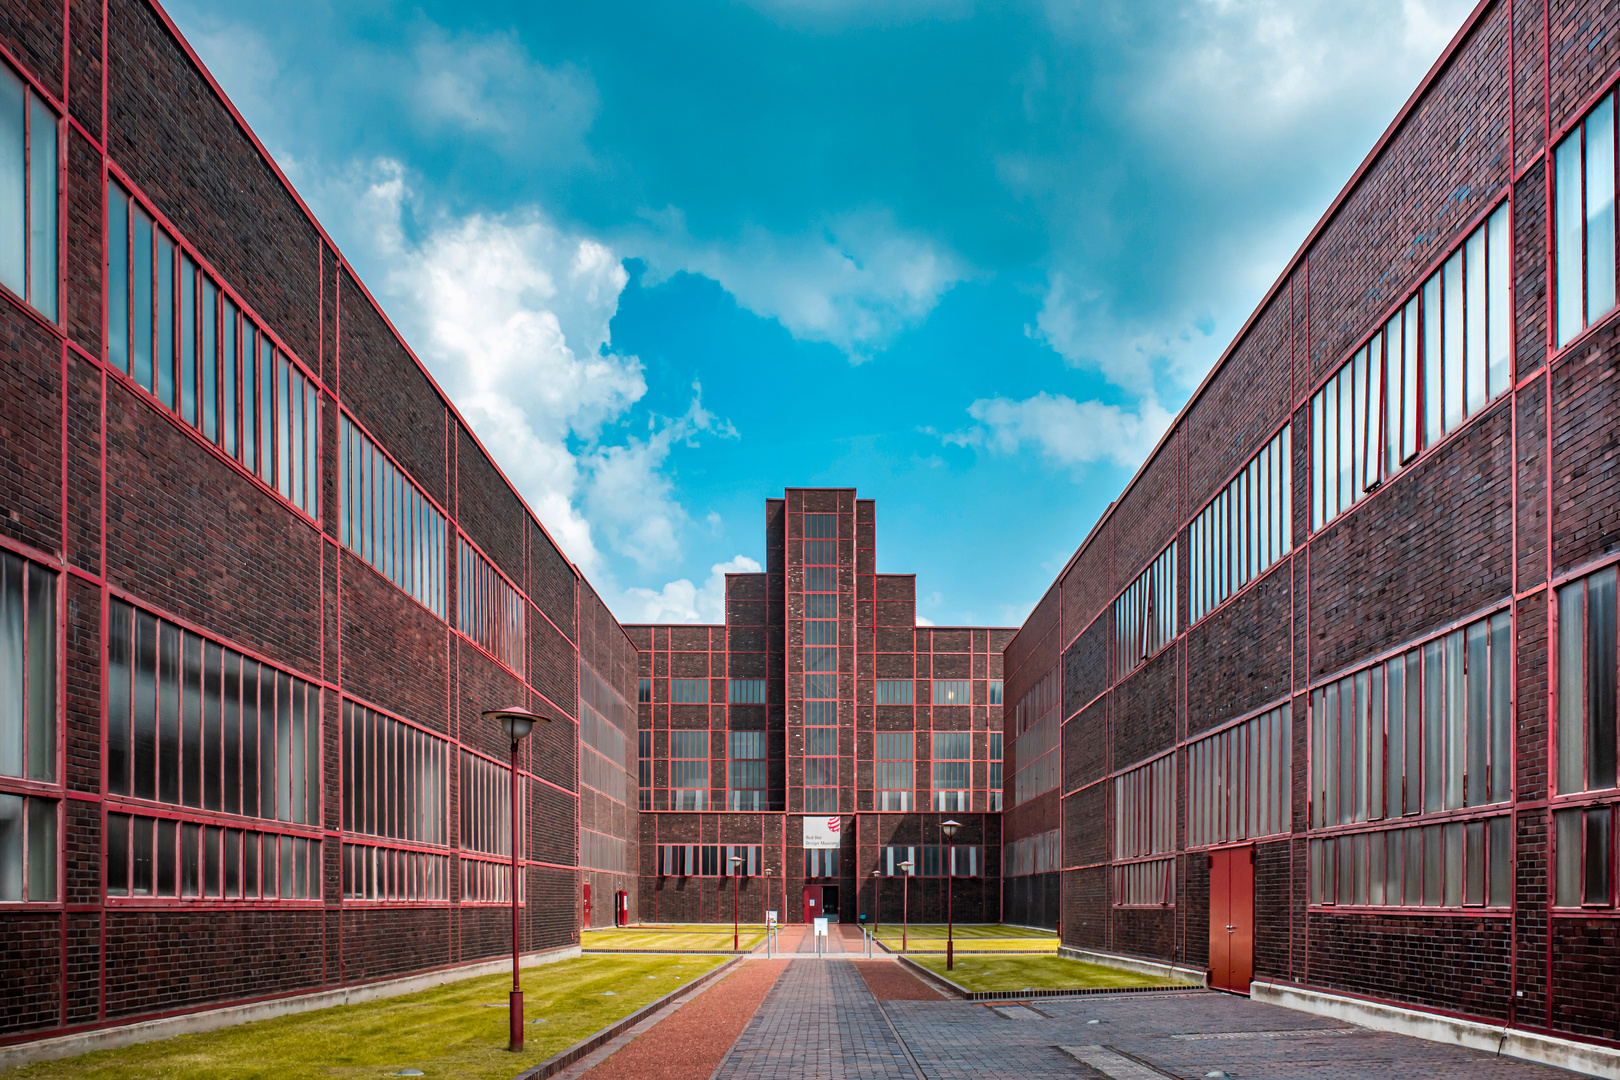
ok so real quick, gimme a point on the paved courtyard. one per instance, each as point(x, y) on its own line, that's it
point(821, 1022)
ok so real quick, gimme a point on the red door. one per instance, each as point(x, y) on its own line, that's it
point(812, 903)
point(587, 905)
point(1231, 919)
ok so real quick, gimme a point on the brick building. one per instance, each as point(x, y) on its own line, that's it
point(1333, 679)
point(818, 736)
point(258, 580)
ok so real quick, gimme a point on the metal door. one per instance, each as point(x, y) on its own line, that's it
point(1231, 919)
point(587, 905)
point(812, 903)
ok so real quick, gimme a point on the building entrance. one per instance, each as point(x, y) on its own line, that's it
point(820, 902)
point(1231, 919)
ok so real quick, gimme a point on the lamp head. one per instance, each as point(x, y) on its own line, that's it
point(906, 866)
point(516, 721)
point(949, 828)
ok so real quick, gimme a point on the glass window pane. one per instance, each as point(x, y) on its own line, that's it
point(209, 361)
point(1498, 301)
point(1474, 379)
point(167, 859)
point(1474, 863)
point(42, 214)
point(41, 674)
point(1600, 679)
point(163, 359)
point(1454, 341)
point(117, 263)
point(1395, 716)
point(117, 853)
point(1476, 780)
point(1598, 855)
point(1409, 374)
point(1501, 862)
point(227, 375)
point(1568, 215)
point(13, 163)
point(188, 340)
point(1600, 210)
point(140, 269)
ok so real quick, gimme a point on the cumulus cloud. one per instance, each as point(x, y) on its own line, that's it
point(1067, 432)
point(855, 281)
point(681, 601)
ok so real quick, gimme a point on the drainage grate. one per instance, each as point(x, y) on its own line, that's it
point(1112, 1064)
point(1017, 1012)
point(1295, 1033)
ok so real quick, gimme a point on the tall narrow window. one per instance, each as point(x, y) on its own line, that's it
point(1145, 614)
point(1238, 781)
point(644, 767)
point(745, 770)
point(894, 770)
point(894, 691)
point(953, 692)
point(1144, 833)
point(28, 194)
point(746, 692)
point(488, 609)
point(953, 770)
point(1584, 221)
point(1244, 529)
point(28, 670)
point(1586, 732)
point(485, 797)
point(410, 548)
point(821, 665)
point(689, 770)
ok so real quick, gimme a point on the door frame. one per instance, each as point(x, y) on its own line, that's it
point(1231, 918)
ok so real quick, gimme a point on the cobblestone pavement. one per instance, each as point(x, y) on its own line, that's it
point(820, 1022)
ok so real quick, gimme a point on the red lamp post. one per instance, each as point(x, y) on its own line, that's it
point(905, 902)
point(516, 723)
point(736, 861)
point(949, 829)
point(877, 899)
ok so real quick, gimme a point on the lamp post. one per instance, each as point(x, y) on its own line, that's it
point(516, 722)
point(949, 829)
point(905, 902)
point(736, 861)
point(877, 900)
point(767, 904)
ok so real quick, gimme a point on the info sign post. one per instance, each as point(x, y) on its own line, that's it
point(821, 934)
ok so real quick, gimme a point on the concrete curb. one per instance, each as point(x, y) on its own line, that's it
point(1159, 969)
point(1496, 1039)
point(557, 1062)
point(120, 1035)
point(959, 991)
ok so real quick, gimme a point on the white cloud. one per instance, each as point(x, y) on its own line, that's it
point(1068, 432)
point(923, 620)
point(681, 601)
point(854, 281)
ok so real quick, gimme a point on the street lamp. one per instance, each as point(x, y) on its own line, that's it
point(767, 905)
point(949, 829)
point(516, 723)
point(905, 902)
point(877, 899)
point(736, 861)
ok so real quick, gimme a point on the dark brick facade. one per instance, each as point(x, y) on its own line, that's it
point(104, 485)
point(1522, 492)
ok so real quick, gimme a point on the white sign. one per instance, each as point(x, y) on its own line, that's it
point(770, 918)
point(821, 928)
point(822, 832)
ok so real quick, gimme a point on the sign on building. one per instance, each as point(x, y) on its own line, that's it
point(822, 832)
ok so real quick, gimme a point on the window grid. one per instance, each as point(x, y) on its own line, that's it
point(178, 334)
point(486, 808)
point(644, 767)
point(489, 610)
point(821, 663)
point(29, 212)
point(1439, 359)
point(993, 750)
point(1144, 830)
point(1451, 864)
point(28, 671)
point(745, 770)
point(605, 723)
point(1585, 737)
point(394, 874)
point(928, 860)
point(1145, 614)
point(1035, 739)
point(1238, 781)
point(689, 691)
point(1244, 529)
point(1039, 854)
point(1584, 221)
point(746, 692)
point(894, 768)
point(689, 770)
point(388, 522)
point(952, 692)
point(953, 770)
point(154, 858)
point(710, 860)
point(395, 778)
point(894, 691)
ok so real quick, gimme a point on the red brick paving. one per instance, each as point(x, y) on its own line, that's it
point(888, 981)
point(689, 1043)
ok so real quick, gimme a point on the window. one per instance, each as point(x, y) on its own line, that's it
point(1244, 529)
point(1429, 730)
point(1587, 743)
point(394, 778)
point(192, 723)
point(643, 691)
point(821, 757)
point(689, 770)
point(176, 332)
point(894, 691)
point(930, 860)
point(388, 522)
point(644, 746)
point(1145, 614)
point(605, 721)
point(995, 692)
point(28, 670)
point(689, 691)
point(821, 664)
point(1145, 828)
point(488, 609)
point(746, 692)
point(894, 769)
point(486, 830)
point(28, 186)
point(995, 770)
point(1583, 857)
point(953, 770)
point(28, 830)
point(1238, 781)
point(160, 857)
point(1584, 222)
point(821, 863)
point(1448, 864)
point(1037, 854)
point(1035, 740)
point(745, 770)
point(953, 692)
point(379, 873)
point(1438, 360)
point(599, 851)
point(709, 860)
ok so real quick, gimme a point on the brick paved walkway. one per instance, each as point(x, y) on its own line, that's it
point(820, 1022)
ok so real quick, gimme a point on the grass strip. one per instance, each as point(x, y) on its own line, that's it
point(1011, 973)
point(708, 938)
point(455, 1030)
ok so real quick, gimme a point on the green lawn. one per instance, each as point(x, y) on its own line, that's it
point(930, 938)
point(456, 1030)
point(985, 973)
point(672, 936)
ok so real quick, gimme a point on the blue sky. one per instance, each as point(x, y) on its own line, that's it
point(969, 258)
